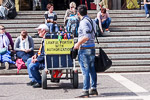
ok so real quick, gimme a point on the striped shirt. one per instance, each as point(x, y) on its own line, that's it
point(9, 4)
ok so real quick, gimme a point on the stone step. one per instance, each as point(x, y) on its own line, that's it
point(113, 24)
point(91, 15)
point(130, 33)
point(89, 12)
point(111, 34)
point(129, 56)
point(123, 29)
point(130, 24)
point(39, 21)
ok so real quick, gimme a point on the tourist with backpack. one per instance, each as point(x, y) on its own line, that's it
point(51, 18)
point(36, 63)
point(71, 19)
point(70, 12)
point(24, 46)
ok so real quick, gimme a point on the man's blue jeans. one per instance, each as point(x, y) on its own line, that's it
point(86, 60)
point(33, 71)
point(105, 24)
point(52, 26)
point(147, 7)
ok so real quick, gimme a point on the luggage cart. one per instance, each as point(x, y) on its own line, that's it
point(57, 57)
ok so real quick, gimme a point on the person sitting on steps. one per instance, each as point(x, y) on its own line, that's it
point(50, 18)
point(103, 20)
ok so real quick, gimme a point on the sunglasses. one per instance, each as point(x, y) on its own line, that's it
point(2, 28)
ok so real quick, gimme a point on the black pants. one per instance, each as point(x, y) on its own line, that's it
point(88, 3)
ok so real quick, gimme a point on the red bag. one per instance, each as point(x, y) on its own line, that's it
point(20, 65)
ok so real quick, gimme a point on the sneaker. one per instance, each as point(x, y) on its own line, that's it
point(147, 15)
point(107, 30)
point(85, 94)
point(31, 83)
point(6, 65)
point(37, 85)
point(93, 92)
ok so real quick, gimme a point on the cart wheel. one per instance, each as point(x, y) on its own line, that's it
point(75, 79)
point(44, 79)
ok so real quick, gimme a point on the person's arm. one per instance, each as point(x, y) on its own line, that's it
point(12, 4)
point(16, 45)
point(11, 41)
point(66, 16)
point(31, 43)
point(83, 40)
point(40, 58)
point(101, 4)
point(100, 22)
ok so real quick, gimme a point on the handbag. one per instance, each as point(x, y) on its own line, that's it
point(102, 62)
point(3, 51)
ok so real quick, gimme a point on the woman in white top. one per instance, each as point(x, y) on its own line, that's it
point(24, 46)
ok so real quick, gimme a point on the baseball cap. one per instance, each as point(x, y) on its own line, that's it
point(43, 26)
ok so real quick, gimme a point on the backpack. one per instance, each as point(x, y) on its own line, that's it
point(72, 25)
point(12, 13)
point(20, 65)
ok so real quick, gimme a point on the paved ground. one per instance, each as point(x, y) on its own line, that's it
point(111, 86)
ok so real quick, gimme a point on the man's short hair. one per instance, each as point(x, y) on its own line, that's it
point(82, 9)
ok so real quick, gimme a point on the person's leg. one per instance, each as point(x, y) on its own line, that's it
point(108, 21)
point(83, 2)
point(29, 71)
point(56, 28)
point(146, 8)
point(92, 70)
point(20, 54)
point(84, 65)
point(35, 72)
point(88, 4)
point(97, 21)
point(3, 11)
point(50, 26)
point(104, 24)
point(27, 56)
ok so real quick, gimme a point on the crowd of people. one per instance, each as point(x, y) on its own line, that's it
point(24, 44)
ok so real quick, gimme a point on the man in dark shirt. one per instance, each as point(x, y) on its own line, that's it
point(33, 64)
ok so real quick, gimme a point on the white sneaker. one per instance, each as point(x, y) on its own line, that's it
point(6, 65)
point(107, 31)
point(147, 15)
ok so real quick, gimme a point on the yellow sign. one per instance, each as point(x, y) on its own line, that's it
point(53, 46)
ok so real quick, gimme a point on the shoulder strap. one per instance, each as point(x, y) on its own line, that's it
point(91, 22)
